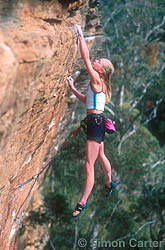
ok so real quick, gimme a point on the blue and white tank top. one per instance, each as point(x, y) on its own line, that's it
point(95, 100)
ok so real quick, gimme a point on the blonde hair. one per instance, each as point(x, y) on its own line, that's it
point(108, 71)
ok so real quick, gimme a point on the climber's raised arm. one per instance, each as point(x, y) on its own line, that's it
point(85, 55)
point(81, 97)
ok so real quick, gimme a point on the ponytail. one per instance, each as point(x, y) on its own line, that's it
point(108, 71)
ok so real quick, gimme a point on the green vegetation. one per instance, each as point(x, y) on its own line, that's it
point(134, 42)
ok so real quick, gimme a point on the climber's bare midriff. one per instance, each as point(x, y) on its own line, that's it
point(93, 111)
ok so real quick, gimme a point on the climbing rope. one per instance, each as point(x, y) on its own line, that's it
point(36, 176)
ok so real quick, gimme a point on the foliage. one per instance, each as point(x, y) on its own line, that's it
point(134, 39)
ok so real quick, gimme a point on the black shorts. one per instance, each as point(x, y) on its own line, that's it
point(95, 127)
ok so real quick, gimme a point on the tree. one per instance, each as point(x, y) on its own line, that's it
point(134, 38)
point(135, 44)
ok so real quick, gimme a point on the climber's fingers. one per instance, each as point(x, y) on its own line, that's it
point(70, 81)
point(78, 30)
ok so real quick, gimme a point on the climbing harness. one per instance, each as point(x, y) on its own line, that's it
point(36, 176)
point(109, 124)
point(83, 124)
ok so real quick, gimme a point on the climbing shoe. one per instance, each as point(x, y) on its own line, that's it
point(79, 209)
point(108, 190)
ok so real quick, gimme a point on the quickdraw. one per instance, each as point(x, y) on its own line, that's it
point(25, 182)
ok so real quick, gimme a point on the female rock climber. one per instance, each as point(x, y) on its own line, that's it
point(99, 92)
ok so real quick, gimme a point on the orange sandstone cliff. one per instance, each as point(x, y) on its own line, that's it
point(38, 51)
